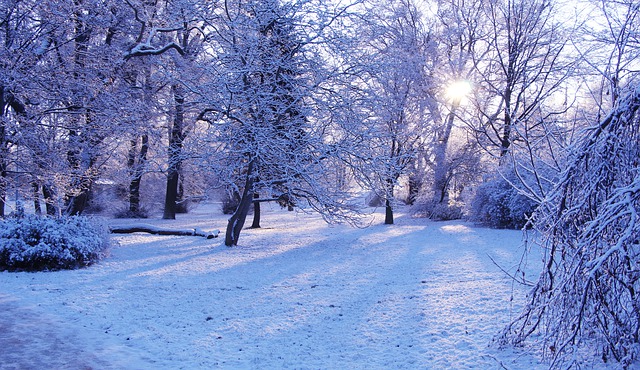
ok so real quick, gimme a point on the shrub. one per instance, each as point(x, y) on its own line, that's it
point(446, 212)
point(34, 243)
point(230, 202)
point(498, 204)
point(127, 213)
point(438, 211)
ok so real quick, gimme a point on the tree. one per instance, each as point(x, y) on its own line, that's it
point(587, 292)
point(16, 42)
point(63, 107)
point(394, 90)
point(588, 289)
point(265, 114)
point(521, 66)
point(459, 28)
point(178, 45)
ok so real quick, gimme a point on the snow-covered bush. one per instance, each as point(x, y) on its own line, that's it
point(446, 212)
point(127, 213)
point(34, 243)
point(438, 212)
point(230, 201)
point(498, 204)
point(588, 294)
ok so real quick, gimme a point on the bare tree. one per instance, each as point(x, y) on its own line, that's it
point(459, 28)
point(520, 67)
point(394, 90)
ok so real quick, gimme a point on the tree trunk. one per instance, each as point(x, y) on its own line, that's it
point(182, 205)
point(3, 187)
point(4, 151)
point(440, 181)
point(175, 152)
point(78, 203)
point(134, 196)
point(256, 213)
point(36, 198)
point(49, 201)
point(388, 214)
point(171, 196)
point(505, 140)
point(79, 154)
point(236, 222)
point(136, 169)
point(81, 160)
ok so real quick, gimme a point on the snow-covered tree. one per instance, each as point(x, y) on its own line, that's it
point(62, 73)
point(18, 51)
point(262, 109)
point(458, 28)
point(173, 34)
point(393, 94)
point(587, 294)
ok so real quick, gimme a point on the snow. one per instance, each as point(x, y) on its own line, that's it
point(295, 294)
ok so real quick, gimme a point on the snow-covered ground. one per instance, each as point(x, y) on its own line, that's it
point(295, 294)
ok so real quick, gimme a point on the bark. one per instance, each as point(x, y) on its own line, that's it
point(136, 165)
point(3, 170)
point(3, 153)
point(3, 187)
point(171, 196)
point(388, 208)
point(236, 222)
point(256, 212)
point(182, 204)
point(440, 180)
point(80, 163)
point(49, 195)
point(390, 183)
point(176, 138)
point(388, 214)
point(78, 203)
point(505, 140)
point(415, 183)
point(36, 198)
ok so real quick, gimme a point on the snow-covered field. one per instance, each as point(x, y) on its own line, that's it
point(295, 294)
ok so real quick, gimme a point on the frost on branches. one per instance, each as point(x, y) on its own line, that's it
point(587, 295)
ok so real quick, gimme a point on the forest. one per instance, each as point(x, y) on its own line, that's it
point(519, 114)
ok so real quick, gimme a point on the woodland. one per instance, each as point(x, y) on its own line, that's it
point(509, 113)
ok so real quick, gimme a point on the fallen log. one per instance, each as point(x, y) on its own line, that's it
point(150, 229)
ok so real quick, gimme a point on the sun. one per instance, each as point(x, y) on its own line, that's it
point(458, 90)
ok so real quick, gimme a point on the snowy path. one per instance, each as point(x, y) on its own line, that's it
point(298, 294)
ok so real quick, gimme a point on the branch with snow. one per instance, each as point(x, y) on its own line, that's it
point(145, 48)
point(588, 290)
